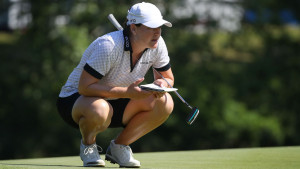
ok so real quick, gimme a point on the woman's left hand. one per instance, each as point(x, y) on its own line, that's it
point(161, 83)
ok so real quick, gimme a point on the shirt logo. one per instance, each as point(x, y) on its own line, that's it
point(146, 62)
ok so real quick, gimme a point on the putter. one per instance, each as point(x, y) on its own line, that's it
point(195, 111)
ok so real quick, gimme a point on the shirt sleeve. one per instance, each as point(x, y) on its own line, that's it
point(162, 61)
point(99, 63)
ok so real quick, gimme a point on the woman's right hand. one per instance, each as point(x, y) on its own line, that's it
point(135, 92)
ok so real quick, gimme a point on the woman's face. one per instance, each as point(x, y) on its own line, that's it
point(148, 37)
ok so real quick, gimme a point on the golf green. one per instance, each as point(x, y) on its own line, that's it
point(245, 158)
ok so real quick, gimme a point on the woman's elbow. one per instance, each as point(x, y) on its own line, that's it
point(82, 90)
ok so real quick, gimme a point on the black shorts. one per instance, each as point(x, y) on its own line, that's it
point(65, 106)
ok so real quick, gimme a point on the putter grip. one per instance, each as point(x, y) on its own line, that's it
point(113, 20)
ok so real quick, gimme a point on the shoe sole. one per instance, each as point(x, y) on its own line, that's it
point(94, 165)
point(111, 160)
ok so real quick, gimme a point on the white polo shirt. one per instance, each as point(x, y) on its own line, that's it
point(108, 58)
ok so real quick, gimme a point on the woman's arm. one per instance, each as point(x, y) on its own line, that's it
point(168, 75)
point(89, 86)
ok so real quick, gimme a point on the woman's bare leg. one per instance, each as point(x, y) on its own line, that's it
point(143, 116)
point(93, 115)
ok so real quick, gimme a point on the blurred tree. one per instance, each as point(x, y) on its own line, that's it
point(246, 83)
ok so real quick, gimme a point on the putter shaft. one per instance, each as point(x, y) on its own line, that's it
point(174, 91)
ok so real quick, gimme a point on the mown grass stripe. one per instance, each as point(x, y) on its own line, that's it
point(247, 158)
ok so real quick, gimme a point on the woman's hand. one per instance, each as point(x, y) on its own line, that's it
point(135, 92)
point(161, 83)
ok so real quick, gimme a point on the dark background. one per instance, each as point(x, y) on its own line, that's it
point(244, 77)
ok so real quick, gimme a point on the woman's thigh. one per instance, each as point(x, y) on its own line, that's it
point(90, 107)
point(147, 105)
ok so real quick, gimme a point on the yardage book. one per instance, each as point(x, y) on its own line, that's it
point(154, 87)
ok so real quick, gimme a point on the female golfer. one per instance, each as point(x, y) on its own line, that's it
point(102, 91)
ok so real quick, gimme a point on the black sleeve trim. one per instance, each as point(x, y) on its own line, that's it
point(164, 68)
point(92, 71)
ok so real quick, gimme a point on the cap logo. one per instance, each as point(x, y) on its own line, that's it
point(132, 20)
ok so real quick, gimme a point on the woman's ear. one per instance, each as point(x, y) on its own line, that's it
point(133, 29)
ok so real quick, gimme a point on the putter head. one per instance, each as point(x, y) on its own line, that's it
point(192, 116)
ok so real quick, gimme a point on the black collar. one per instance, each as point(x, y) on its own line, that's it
point(127, 47)
point(127, 44)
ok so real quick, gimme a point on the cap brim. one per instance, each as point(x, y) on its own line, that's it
point(157, 23)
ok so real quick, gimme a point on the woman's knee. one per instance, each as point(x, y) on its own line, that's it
point(166, 104)
point(93, 110)
point(101, 112)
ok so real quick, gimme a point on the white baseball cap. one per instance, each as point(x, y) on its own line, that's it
point(146, 14)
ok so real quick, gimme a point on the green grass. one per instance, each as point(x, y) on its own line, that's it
point(252, 158)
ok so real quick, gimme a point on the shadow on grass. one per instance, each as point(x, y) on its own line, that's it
point(41, 165)
point(50, 165)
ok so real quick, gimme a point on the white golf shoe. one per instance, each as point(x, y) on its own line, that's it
point(90, 156)
point(121, 155)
